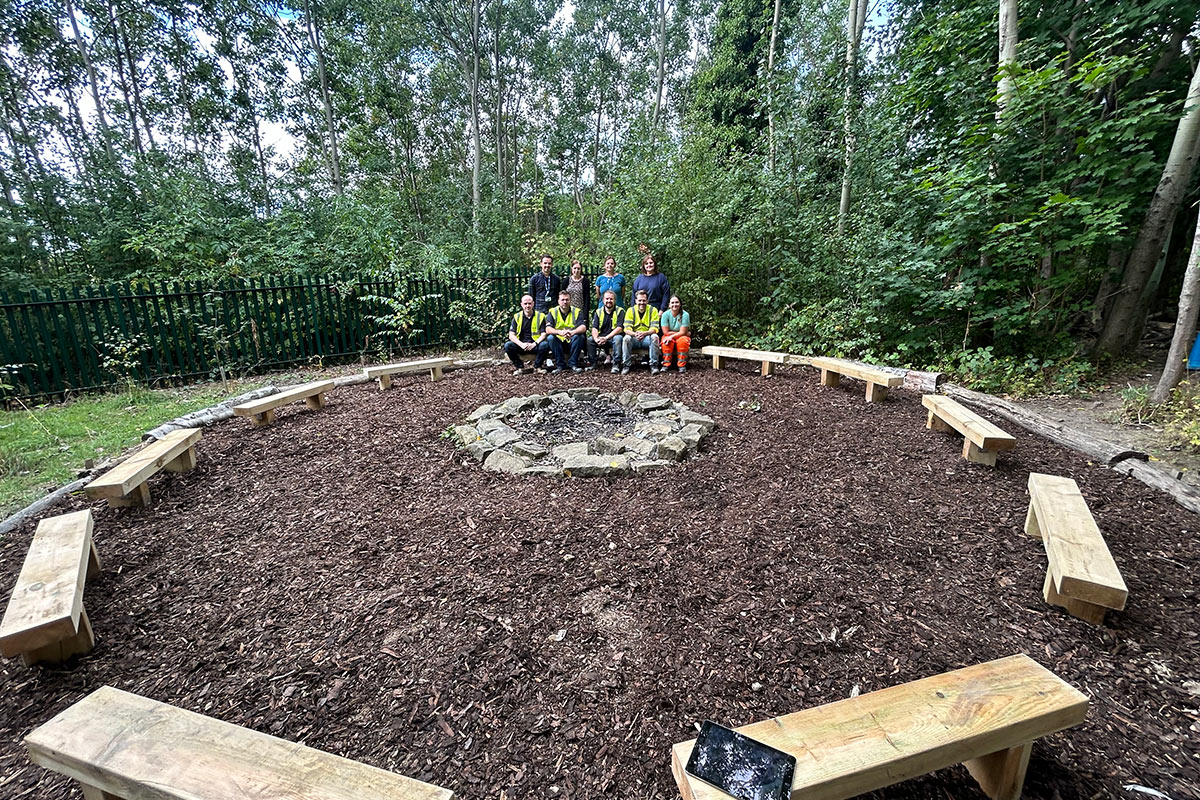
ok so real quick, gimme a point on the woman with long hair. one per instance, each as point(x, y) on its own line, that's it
point(610, 281)
point(676, 335)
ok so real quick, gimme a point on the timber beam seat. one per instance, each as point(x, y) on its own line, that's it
point(984, 716)
point(878, 382)
point(122, 745)
point(45, 619)
point(262, 410)
point(766, 358)
point(125, 484)
point(981, 439)
point(382, 375)
point(1081, 575)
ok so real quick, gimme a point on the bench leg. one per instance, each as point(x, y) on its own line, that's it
point(56, 652)
point(384, 381)
point(1031, 524)
point(93, 567)
point(138, 496)
point(936, 423)
point(830, 379)
point(718, 362)
point(183, 462)
point(93, 793)
point(1088, 612)
point(767, 369)
point(316, 402)
point(876, 393)
point(264, 419)
point(1001, 774)
point(435, 374)
point(976, 455)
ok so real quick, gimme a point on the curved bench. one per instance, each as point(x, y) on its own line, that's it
point(985, 717)
point(262, 410)
point(125, 484)
point(45, 619)
point(122, 745)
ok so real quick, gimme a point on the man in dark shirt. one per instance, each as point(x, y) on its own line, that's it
point(527, 336)
point(544, 286)
point(607, 327)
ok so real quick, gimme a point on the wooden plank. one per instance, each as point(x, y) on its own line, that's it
point(843, 367)
point(765, 356)
point(865, 743)
point(1080, 562)
point(264, 404)
point(406, 366)
point(140, 749)
point(984, 434)
point(135, 470)
point(48, 598)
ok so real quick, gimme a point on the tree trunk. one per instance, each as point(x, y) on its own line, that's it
point(476, 148)
point(856, 13)
point(93, 84)
point(118, 61)
point(314, 32)
point(1127, 315)
point(1185, 325)
point(771, 87)
point(662, 59)
point(1008, 54)
point(139, 106)
point(499, 121)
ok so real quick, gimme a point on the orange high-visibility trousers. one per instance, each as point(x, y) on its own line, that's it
point(674, 343)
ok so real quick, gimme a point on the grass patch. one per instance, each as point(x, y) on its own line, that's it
point(43, 447)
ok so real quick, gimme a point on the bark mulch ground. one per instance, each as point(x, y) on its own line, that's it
point(348, 579)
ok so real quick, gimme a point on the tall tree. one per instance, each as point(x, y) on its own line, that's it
point(856, 18)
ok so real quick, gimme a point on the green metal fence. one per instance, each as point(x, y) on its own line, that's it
point(55, 342)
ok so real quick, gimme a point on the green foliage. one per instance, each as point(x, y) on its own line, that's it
point(1179, 416)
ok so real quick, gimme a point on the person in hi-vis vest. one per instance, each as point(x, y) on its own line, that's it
point(607, 328)
point(642, 322)
point(566, 329)
point(526, 335)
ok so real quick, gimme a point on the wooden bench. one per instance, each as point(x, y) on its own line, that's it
point(985, 717)
point(262, 411)
point(1081, 576)
point(878, 382)
point(383, 375)
point(121, 745)
point(981, 439)
point(45, 619)
point(125, 484)
point(767, 358)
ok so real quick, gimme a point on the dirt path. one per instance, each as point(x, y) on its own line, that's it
point(349, 580)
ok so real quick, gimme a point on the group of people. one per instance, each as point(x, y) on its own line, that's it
point(553, 321)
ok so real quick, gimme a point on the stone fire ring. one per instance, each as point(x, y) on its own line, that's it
point(632, 433)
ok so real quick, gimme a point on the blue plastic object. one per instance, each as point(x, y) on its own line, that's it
point(1194, 358)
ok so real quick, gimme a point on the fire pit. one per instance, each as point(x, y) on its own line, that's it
point(583, 433)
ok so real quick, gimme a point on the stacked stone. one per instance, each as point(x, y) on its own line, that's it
point(665, 433)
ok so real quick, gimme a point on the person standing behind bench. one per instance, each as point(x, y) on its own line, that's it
point(576, 286)
point(527, 334)
point(641, 332)
point(654, 283)
point(676, 335)
point(607, 328)
point(610, 281)
point(544, 285)
point(564, 325)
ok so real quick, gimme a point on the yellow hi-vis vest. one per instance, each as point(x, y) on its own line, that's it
point(599, 318)
point(534, 327)
point(645, 323)
point(561, 322)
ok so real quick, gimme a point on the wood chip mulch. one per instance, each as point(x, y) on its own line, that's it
point(349, 580)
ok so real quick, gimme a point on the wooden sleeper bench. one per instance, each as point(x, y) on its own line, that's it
point(45, 619)
point(121, 745)
point(383, 375)
point(985, 717)
point(1081, 575)
point(878, 382)
point(768, 359)
point(981, 439)
point(125, 484)
point(262, 410)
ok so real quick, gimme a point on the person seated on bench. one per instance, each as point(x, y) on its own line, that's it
point(676, 336)
point(527, 335)
point(606, 332)
point(566, 328)
point(641, 332)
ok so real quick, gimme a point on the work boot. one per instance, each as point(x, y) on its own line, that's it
point(668, 361)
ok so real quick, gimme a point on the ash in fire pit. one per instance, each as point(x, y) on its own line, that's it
point(583, 433)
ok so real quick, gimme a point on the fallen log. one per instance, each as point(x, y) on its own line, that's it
point(1155, 476)
point(38, 506)
point(1098, 449)
point(207, 416)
